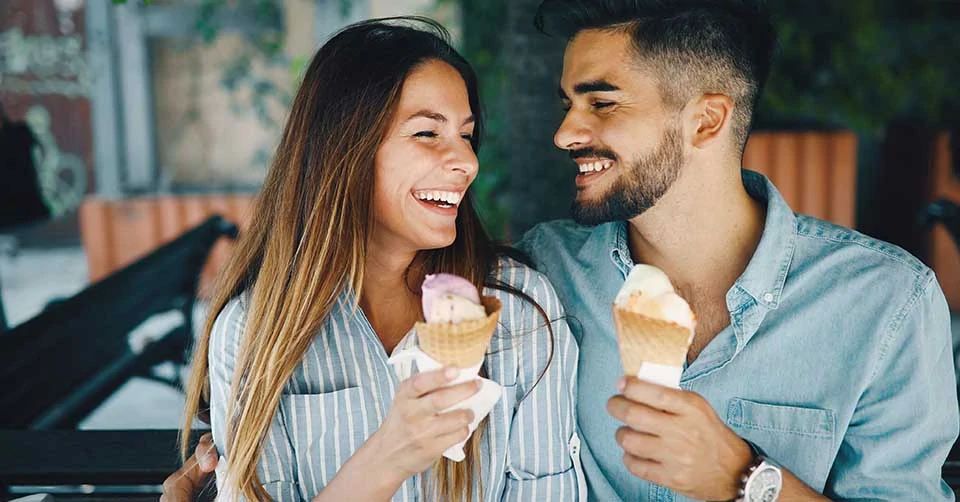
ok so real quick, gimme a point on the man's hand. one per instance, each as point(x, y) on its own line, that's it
point(183, 485)
point(674, 438)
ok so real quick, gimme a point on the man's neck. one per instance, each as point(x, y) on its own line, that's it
point(702, 235)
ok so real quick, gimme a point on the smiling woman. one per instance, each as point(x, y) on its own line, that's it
point(369, 192)
point(426, 161)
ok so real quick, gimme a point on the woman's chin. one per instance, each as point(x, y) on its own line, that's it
point(438, 240)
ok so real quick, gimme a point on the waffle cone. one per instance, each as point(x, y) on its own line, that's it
point(461, 344)
point(645, 339)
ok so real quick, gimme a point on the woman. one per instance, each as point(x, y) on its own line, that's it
point(367, 194)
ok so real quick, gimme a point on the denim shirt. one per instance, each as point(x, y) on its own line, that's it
point(837, 361)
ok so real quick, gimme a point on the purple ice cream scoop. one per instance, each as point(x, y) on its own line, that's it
point(437, 285)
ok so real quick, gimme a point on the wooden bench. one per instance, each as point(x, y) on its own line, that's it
point(56, 368)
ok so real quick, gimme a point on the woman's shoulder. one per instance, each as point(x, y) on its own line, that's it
point(512, 274)
point(228, 325)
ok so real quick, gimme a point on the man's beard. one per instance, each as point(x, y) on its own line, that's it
point(639, 187)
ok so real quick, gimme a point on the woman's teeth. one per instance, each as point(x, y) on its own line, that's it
point(591, 167)
point(440, 197)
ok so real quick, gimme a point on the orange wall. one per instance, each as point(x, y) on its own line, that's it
point(815, 171)
point(117, 232)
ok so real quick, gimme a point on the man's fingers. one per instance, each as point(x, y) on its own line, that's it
point(655, 396)
point(639, 444)
point(645, 469)
point(428, 381)
point(640, 417)
point(182, 484)
point(206, 454)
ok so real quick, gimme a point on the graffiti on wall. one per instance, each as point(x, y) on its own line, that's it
point(43, 64)
point(63, 176)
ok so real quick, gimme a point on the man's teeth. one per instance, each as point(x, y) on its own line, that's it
point(452, 198)
point(589, 167)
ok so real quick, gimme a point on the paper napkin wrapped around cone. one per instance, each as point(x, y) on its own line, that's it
point(457, 333)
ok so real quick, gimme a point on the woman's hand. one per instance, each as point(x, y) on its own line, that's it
point(415, 433)
point(411, 438)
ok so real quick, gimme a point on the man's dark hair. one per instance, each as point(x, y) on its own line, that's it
point(691, 47)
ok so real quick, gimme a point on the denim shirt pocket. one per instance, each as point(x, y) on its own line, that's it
point(801, 438)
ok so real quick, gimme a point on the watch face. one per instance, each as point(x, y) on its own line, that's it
point(765, 485)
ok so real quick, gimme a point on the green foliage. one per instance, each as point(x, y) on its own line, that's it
point(483, 40)
point(861, 63)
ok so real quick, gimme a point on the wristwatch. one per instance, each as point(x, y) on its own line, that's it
point(762, 481)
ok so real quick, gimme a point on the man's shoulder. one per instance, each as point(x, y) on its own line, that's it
point(857, 252)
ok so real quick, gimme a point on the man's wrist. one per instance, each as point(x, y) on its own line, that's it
point(746, 455)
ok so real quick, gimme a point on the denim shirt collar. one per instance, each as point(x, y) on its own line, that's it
point(767, 270)
point(760, 285)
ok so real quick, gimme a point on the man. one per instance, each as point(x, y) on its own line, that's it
point(828, 351)
point(821, 362)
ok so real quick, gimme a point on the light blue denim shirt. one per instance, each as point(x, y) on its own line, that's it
point(837, 361)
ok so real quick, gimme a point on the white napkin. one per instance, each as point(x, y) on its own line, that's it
point(480, 403)
point(668, 376)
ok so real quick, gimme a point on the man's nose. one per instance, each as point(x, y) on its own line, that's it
point(573, 133)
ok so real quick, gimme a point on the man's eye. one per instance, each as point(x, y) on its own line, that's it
point(602, 104)
point(468, 137)
point(426, 134)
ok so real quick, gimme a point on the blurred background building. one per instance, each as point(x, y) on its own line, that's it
point(150, 116)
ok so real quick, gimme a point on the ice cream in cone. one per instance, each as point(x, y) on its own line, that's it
point(654, 326)
point(459, 322)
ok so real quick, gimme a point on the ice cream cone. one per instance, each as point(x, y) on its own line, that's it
point(645, 339)
point(461, 344)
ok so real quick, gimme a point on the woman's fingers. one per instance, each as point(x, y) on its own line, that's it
point(442, 399)
point(426, 382)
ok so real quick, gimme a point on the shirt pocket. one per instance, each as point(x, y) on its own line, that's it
point(325, 430)
point(802, 439)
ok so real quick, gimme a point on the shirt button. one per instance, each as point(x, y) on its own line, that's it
point(768, 297)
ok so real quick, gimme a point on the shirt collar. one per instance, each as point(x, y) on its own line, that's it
point(610, 240)
point(767, 270)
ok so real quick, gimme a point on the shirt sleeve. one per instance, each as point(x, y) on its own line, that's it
point(542, 455)
point(277, 464)
point(907, 419)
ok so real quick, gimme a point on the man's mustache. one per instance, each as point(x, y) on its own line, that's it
point(592, 153)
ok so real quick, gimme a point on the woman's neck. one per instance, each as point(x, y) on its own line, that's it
point(389, 296)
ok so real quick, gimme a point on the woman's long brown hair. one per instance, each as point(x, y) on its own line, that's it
point(308, 235)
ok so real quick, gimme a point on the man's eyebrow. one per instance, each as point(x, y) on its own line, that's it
point(439, 117)
point(594, 86)
point(588, 87)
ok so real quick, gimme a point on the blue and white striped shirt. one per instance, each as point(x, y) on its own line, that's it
point(344, 387)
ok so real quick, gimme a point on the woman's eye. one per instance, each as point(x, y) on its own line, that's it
point(468, 137)
point(426, 134)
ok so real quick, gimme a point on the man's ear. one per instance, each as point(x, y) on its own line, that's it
point(713, 114)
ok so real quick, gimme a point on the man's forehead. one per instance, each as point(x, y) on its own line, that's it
point(594, 55)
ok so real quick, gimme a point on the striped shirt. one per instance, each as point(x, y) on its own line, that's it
point(343, 389)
